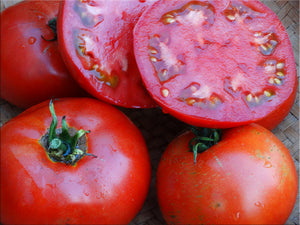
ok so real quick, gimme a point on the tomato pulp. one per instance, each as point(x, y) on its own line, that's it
point(32, 69)
point(247, 178)
point(109, 189)
point(217, 63)
point(96, 42)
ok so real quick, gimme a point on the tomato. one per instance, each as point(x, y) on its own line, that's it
point(106, 186)
point(96, 42)
point(32, 69)
point(248, 177)
point(217, 64)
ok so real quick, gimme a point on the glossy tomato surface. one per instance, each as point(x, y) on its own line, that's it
point(32, 69)
point(96, 41)
point(247, 178)
point(109, 189)
point(217, 63)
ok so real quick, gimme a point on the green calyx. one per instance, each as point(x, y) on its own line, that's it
point(60, 145)
point(203, 140)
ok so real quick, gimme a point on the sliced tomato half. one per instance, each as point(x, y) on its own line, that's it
point(96, 42)
point(217, 63)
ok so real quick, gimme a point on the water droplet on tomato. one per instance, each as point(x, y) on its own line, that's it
point(259, 204)
point(236, 216)
point(267, 164)
point(31, 40)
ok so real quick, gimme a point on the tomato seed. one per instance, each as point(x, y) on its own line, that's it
point(280, 65)
point(153, 59)
point(268, 93)
point(249, 97)
point(281, 74)
point(169, 20)
point(165, 92)
point(190, 101)
point(277, 81)
point(231, 17)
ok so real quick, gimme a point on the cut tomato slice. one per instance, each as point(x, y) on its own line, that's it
point(95, 38)
point(217, 63)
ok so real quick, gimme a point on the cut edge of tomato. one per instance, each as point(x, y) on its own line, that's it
point(266, 120)
point(85, 81)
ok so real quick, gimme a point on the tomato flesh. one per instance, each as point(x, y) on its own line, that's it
point(244, 179)
point(96, 38)
point(217, 63)
point(35, 190)
point(32, 69)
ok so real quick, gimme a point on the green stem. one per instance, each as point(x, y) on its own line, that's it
point(203, 140)
point(52, 24)
point(62, 147)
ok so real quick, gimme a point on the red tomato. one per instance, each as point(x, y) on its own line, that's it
point(32, 69)
point(217, 64)
point(95, 39)
point(109, 189)
point(247, 178)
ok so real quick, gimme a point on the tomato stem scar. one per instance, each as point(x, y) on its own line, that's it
point(203, 140)
point(52, 25)
point(61, 146)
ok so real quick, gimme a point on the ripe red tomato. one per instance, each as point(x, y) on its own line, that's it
point(96, 42)
point(217, 64)
point(32, 69)
point(109, 189)
point(247, 178)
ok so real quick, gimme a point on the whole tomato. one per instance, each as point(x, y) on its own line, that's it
point(92, 168)
point(248, 177)
point(32, 69)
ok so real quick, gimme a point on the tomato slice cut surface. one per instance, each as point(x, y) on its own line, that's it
point(96, 41)
point(217, 63)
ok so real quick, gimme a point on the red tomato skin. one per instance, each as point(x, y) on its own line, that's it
point(32, 69)
point(109, 189)
point(130, 91)
point(247, 178)
point(232, 116)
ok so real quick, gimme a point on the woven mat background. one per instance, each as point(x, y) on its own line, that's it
point(159, 129)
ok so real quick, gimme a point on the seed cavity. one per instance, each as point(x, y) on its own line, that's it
point(195, 13)
point(275, 80)
point(85, 43)
point(197, 96)
point(241, 13)
point(110, 80)
point(257, 98)
point(166, 62)
point(89, 13)
point(265, 42)
point(275, 70)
